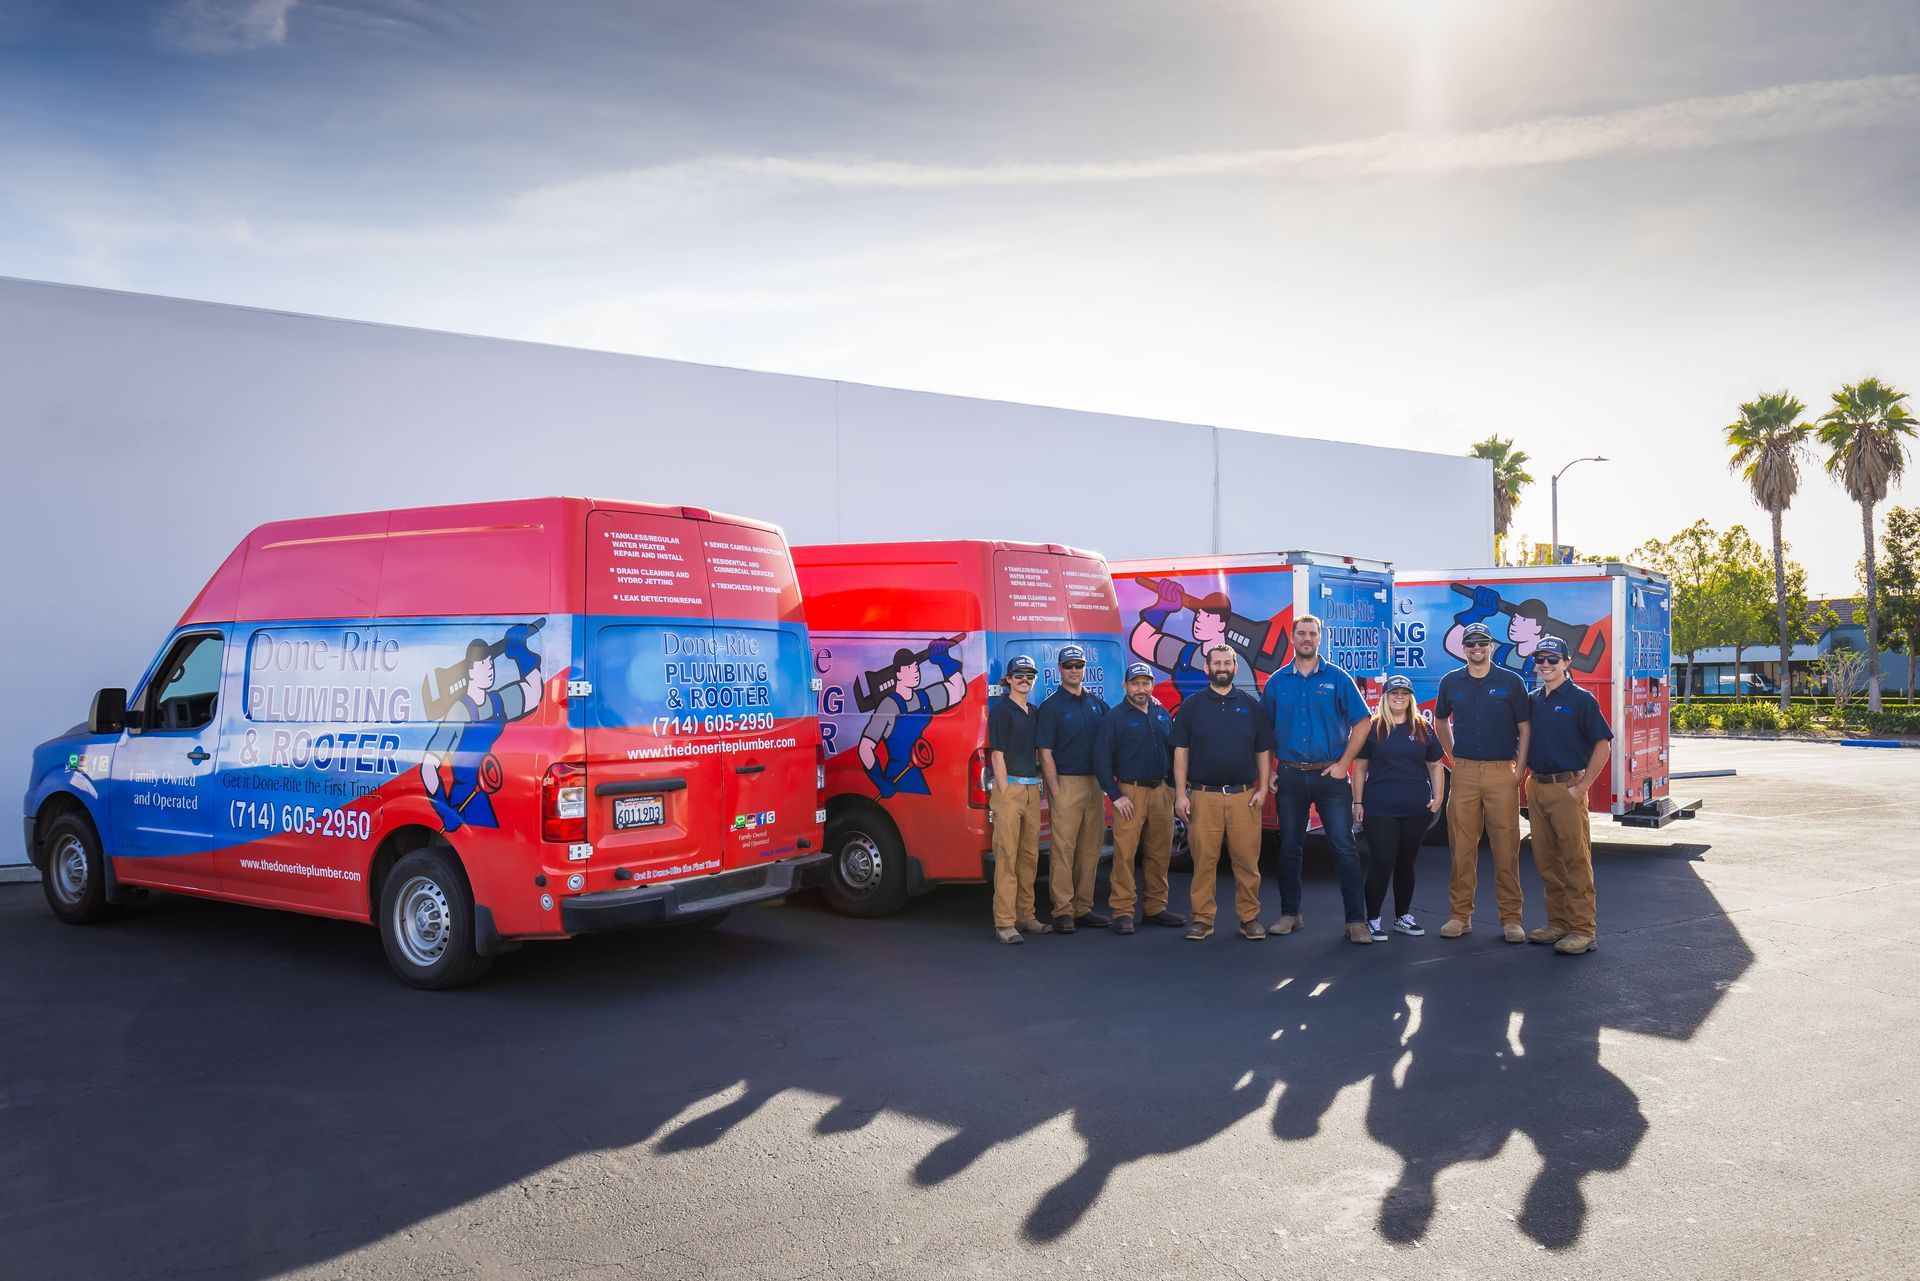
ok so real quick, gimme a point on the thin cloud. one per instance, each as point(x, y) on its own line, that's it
point(224, 26)
point(1786, 111)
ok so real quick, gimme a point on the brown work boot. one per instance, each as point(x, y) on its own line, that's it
point(1455, 927)
point(1512, 932)
point(1357, 933)
point(1547, 934)
point(1200, 930)
point(1575, 944)
point(1007, 934)
point(1063, 923)
point(1252, 931)
point(1286, 925)
point(1123, 924)
point(1035, 926)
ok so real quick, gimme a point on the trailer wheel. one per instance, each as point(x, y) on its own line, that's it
point(426, 922)
point(1182, 860)
point(868, 873)
point(76, 876)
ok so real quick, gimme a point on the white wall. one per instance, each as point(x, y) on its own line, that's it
point(146, 435)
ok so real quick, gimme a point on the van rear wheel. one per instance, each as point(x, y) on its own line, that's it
point(76, 876)
point(426, 923)
point(868, 874)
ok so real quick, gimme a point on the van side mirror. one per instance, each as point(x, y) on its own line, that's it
point(109, 712)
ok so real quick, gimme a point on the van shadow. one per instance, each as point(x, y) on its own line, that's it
point(250, 1092)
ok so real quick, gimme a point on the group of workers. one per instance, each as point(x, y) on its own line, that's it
point(1307, 740)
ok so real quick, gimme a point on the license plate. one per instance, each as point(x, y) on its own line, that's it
point(639, 811)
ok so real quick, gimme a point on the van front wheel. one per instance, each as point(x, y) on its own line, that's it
point(76, 876)
point(868, 875)
point(426, 923)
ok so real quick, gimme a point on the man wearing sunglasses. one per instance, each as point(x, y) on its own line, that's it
point(1015, 804)
point(1483, 716)
point(1566, 753)
point(1067, 724)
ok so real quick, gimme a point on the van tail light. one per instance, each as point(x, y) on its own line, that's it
point(563, 804)
point(820, 768)
point(977, 780)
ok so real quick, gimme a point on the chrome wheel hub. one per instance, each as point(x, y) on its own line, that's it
point(422, 921)
point(67, 870)
point(860, 864)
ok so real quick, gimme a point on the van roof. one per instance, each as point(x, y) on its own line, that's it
point(330, 566)
point(871, 553)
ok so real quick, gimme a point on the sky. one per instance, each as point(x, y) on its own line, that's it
point(1592, 228)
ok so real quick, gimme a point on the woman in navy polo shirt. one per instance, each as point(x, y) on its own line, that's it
point(1399, 774)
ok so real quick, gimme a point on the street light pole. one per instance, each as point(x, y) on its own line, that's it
point(1554, 487)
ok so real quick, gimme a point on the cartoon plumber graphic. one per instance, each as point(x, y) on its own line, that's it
point(1183, 658)
point(473, 706)
point(1526, 627)
point(891, 745)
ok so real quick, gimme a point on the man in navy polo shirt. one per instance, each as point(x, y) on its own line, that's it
point(1015, 804)
point(1483, 715)
point(1567, 752)
point(1222, 767)
point(1066, 725)
point(1133, 759)
point(1319, 722)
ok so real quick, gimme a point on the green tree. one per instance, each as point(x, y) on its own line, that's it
point(1866, 434)
point(1740, 595)
point(1768, 441)
point(1510, 476)
point(1688, 559)
point(1900, 582)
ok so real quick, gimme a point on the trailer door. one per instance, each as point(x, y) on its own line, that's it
point(1356, 613)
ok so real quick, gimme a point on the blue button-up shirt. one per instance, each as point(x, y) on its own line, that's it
point(1312, 715)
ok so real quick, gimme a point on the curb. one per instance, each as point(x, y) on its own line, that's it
point(18, 874)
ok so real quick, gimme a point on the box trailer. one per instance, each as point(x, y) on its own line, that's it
point(1615, 620)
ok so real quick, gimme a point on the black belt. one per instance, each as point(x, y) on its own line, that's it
point(1228, 789)
point(1143, 782)
point(1565, 776)
point(1306, 765)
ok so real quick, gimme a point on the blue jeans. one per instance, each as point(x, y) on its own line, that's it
point(1294, 790)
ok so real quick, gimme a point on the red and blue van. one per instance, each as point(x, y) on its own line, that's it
point(468, 725)
point(910, 641)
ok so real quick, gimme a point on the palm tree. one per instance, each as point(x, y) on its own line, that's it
point(1509, 478)
point(1866, 433)
point(1768, 441)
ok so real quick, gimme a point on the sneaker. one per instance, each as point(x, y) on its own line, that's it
point(1547, 934)
point(1285, 925)
point(1062, 923)
point(1123, 924)
point(1200, 930)
point(1377, 931)
point(1357, 933)
point(1455, 927)
point(1575, 944)
point(1007, 934)
point(1035, 926)
point(1512, 932)
point(1405, 924)
point(1092, 921)
point(1164, 917)
point(1252, 931)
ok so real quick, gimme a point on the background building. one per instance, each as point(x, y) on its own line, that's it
point(148, 435)
point(1759, 665)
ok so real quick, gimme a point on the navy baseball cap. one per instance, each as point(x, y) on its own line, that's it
point(1551, 645)
point(1139, 669)
point(1476, 631)
point(1399, 682)
point(1072, 654)
point(1019, 664)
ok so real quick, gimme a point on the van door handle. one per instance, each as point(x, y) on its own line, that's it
point(198, 754)
point(750, 769)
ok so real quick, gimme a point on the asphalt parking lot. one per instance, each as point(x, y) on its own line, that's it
point(1724, 1089)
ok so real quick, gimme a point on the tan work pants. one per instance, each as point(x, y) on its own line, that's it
point(1150, 834)
point(1218, 816)
point(1078, 818)
point(1016, 851)
point(1485, 794)
point(1563, 852)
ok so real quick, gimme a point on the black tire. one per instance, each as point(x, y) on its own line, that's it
point(75, 880)
point(1437, 833)
point(1182, 856)
point(867, 875)
point(426, 922)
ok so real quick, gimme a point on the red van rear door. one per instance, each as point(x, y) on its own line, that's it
point(654, 791)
